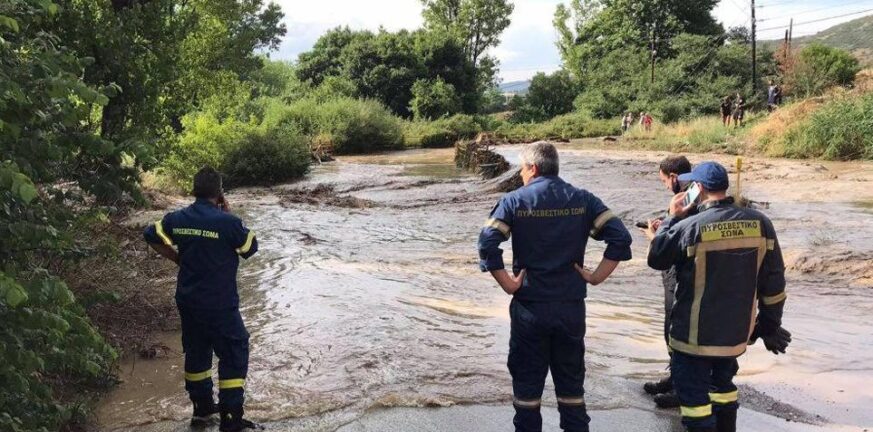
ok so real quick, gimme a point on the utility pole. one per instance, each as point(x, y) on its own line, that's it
point(654, 35)
point(785, 48)
point(754, 54)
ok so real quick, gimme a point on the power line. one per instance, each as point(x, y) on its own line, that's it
point(809, 11)
point(817, 20)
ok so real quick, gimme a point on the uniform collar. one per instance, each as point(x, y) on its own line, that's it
point(548, 178)
point(204, 201)
point(712, 204)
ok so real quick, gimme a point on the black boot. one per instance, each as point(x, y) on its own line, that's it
point(701, 429)
point(663, 386)
point(204, 408)
point(232, 420)
point(726, 420)
point(667, 400)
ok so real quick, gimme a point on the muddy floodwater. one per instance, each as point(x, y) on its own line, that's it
point(366, 294)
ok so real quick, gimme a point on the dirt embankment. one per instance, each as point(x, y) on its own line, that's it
point(127, 289)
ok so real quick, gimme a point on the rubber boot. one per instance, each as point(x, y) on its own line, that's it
point(667, 400)
point(203, 410)
point(663, 386)
point(726, 420)
point(232, 420)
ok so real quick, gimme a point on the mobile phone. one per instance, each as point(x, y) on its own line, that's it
point(643, 225)
point(691, 194)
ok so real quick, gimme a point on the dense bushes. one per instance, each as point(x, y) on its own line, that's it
point(347, 125)
point(841, 129)
point(564, 127)
point(819, 67)
point(441, 133)
point(432, 99)
point(247, 153)
point(267, 157)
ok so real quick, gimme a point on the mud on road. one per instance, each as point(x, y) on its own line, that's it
point(366, 294)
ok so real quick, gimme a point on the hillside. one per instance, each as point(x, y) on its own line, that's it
point(855, 36)
point(515, 87)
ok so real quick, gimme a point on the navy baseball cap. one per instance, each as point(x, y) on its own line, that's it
point(711, 175)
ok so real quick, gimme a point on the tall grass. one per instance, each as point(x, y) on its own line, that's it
point(841, 129)
point(701, 135)
point(563, 127)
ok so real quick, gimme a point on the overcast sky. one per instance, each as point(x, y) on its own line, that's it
point(528, 45)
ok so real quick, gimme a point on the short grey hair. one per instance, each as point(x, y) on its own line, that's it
point(543, 155)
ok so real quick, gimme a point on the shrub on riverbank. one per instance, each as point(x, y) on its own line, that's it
point(441, 133)
point(246, 152)
point(349, 126)
point(564, 127)
point(841, 129)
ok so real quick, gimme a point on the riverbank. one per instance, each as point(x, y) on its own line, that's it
point(355, 309)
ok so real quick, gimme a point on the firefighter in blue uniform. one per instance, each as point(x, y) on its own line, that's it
point(210, 241)
point(549, 221)
point(728, 262)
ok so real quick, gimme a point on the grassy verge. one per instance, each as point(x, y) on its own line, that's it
point(699, 135)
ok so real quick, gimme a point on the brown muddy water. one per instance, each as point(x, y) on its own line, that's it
point(356, 304)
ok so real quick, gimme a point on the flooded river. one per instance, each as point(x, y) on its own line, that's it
point(367, 294)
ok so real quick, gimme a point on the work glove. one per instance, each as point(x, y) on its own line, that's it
point(775, 342)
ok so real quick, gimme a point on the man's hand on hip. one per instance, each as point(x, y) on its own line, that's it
point(509, 283)
point(596, 277)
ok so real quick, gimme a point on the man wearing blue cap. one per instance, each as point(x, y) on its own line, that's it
point(727, 260)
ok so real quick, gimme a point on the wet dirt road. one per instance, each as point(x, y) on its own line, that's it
point(366, 294)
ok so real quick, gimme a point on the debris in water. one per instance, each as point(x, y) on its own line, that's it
point(323, 194)
point(308, 239)
point(477, 156)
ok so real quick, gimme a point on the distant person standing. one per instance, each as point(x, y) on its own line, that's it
point(642, 120)
point(647, 122)
point(726, 110)
point(739, 110)
point(626, 122)
point(774, 96)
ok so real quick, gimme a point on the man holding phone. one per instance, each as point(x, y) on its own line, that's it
point(728, 261)
point(210, 242)
point(669, 171)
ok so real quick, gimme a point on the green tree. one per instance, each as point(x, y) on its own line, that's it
point(477, 24)
point(164, 57)
point(588, 29)
point(43, 105)
point(549, 96)
point(493, 101)
point(384, 65)
point(433, 99)
point(818, 67)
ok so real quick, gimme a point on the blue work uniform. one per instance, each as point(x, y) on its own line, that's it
point(728, 264)
point(549, 222)
point(210, 242)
